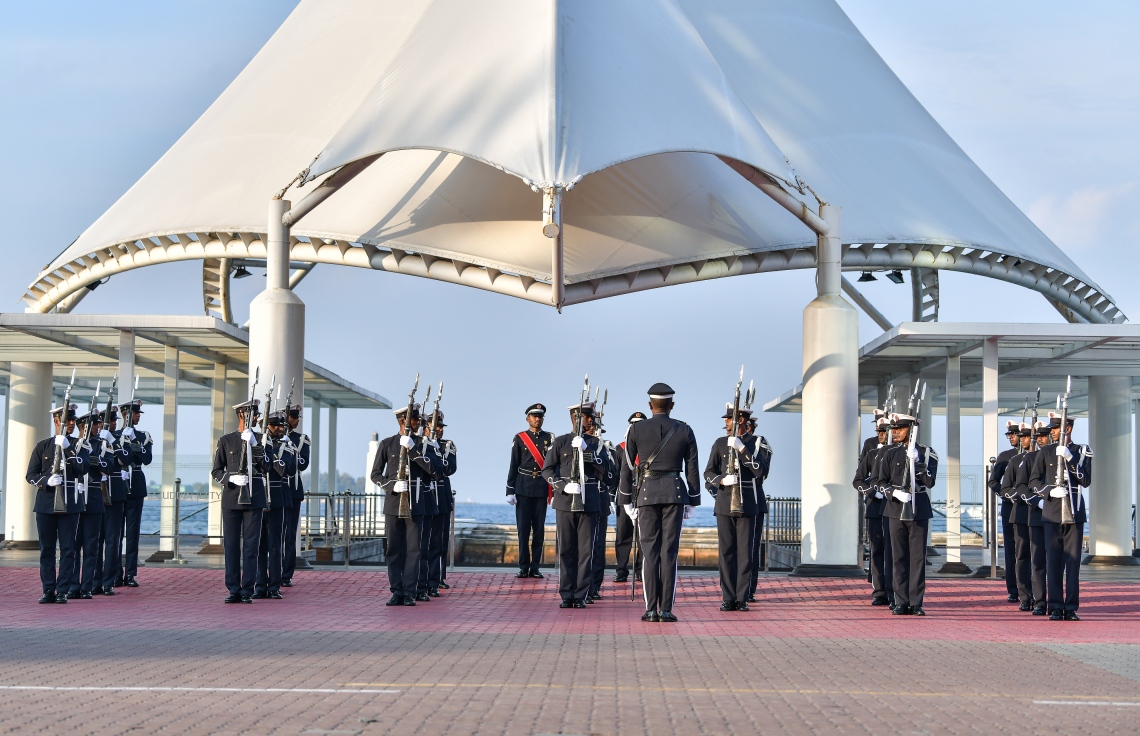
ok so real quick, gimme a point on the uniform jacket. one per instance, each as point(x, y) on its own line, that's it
point(524, 476)
point(448, 463)
point(280, 467)
point(228, 461)
point(40, 464)
point(121, 457)
point(997, 472)
point(755, 462)
point(424, 469)
point(562, 462)
point(1015, 487)
point(894, 474)
point(1079, 471)
point(663, 482)
point(140, 452)
point(101, 463)
point(866, 479)
point(303, 448)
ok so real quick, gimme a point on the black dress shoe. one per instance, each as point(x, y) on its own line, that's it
point(97, 590)
point(650, 617)
point(1025, 607)
point(878, 601)
point(917, 611)
point(667, 617)
point(395, 600)
point(445, 586)
point(130, 581)
point(621, 576)
point(1057, 616)
point(260, 594)
point(247, 599)
point(409, 600)
point(566, 604)
point(274, 595)
point(900, 610)
point(728, 606)
point(232, 598)
point(588, 601)
point(536, 575)
point(596, 595)
point(751, 598)
point(523, 574)
point(60, 598)
point(108, 591)
point(72, 595)
point(84, 595)
point(579, 603)
point(433, 592)
point(286, 583)
point(422, 597)
point(1011, 599)
point(119, 582)
point(48, 598)
point(1072, 616)
point(742, 605)
point(1039, 610)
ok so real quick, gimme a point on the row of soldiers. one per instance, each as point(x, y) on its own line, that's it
point(652, 479)
point(90, 489)
point(1043, 520)
point(259, 468)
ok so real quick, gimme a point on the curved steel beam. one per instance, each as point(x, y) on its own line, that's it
point(1057, 286)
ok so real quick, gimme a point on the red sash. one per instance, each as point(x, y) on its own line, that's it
point(538, 458)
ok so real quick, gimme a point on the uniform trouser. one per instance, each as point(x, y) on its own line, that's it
point(878, 533)
point(1063, 554)
point(530, 518)
point(132, 520)
point(1010, 545)
point(623, 541)
point(757, 543)
point(112, 543)
point(269, 556)
point(402, 550)
point(428, 540)
point(437, 547)
point(601, 527)
point(87, 541)
point(734, 541)
point(659, 530)
point(57, 529)
point(908, 560)
point(445, 542)
point(1037, 563)
point(1021, 562)
point(575, 530)
point(241, 535)
point(289, 544)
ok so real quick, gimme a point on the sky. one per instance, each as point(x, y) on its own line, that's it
point(1044, 96)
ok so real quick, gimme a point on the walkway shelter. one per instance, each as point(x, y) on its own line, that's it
point(179, 361)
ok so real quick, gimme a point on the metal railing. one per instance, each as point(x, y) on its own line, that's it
point(338, 519)
point(782, 527)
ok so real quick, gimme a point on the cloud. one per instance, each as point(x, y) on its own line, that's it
point(1082, 219)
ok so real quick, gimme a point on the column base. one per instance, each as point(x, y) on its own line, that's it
point(957, 568)
point(303, 564)
point(161, 556)
point(1110, 560)
point(210, 549)
point(984, 572)
point(828, 571)
point(16, 544)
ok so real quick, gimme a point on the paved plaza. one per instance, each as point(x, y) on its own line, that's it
point(496, 655)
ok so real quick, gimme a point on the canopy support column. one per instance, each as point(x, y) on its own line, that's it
point(1109, 497)
point(332, 449)
point(277, 315)
point(990, 449)
point(126, 369)
point(29, 421)
point(169, 453)
point(953, 562)
point(218, 410)
point(552, 228)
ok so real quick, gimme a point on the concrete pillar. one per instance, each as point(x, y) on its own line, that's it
point(953, 470)
point(829, 510)
point(4, 454)
point(169, 448)
point(126, 387)
point(1136, 496)
point(218, 411)
point(1109, 498)
point(315, 450)
point(277, 315)
point(332, 449)
point(29, 421)
point(990, 431)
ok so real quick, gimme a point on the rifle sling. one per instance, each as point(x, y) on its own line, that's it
point(644, 467)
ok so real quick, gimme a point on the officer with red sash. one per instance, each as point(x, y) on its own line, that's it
point(528, 491)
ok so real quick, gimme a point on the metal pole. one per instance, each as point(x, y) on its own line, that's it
point(177, 559)
point(990, 435)
point(347, 532)
point(451, 547)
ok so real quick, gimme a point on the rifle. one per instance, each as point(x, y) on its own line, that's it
point(59, 462)
point(578, 470)
point(1024, 415)
point(245, 493)
point(265, 428)
point(1067, 516)
point(431, 429)
point(105, 484)
point(403, 472)
point(736, 498)
point(913, 406)
point(87, 440)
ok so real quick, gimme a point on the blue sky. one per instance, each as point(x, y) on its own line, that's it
point(1045, 96)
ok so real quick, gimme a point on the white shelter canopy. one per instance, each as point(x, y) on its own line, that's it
point(477, 106)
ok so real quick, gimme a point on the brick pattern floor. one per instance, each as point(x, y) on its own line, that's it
point(496, 655)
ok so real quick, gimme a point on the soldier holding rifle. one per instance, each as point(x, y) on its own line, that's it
point(1019, 516)
point(528, 491)
point(440, 538)
point(998, 467)
point(89, 537)
point(763, 454)
point(280, 466)
point(875, 501)
point(302, 449)
point(140, 446)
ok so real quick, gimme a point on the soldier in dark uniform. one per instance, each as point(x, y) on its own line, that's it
point(430, 521)
point(89, 537)
point(57, 527)
point(1014, 486)
point(1063, 535)
point(445, 453)
point(119, 476)
point(658, 498)
point(280, 466)
point(403, 534)
point(875, 500)
point(764, 452)
point(528, 492)
point(734, 465)
point(623, 525)
point(140, 446)
point(239, 463)
point(997, 472)
point(302, 449)
point(908, 474)
point(1036, 526)
point(576, 467)
point(607, 492)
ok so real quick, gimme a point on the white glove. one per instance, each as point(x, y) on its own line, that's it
point(729, 480)
point(407, 442)
point(572, 488)
point(1040, 503)
point(61, 441)
point(688, 512)
point(239, 480)
point(1056, 492)
point(129, 433)
point(250, 437)
point(106, 436)
point(630, 511)
point(914, 454)
point(878, 494)
point(1064, 452)
point(400, 487)
point(736, 443)
point(55, 480)
point(511, 499)
point(577, 443)
point(125, 474)
point(901, 496)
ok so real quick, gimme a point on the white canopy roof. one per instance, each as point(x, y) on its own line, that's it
point(477, 104)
